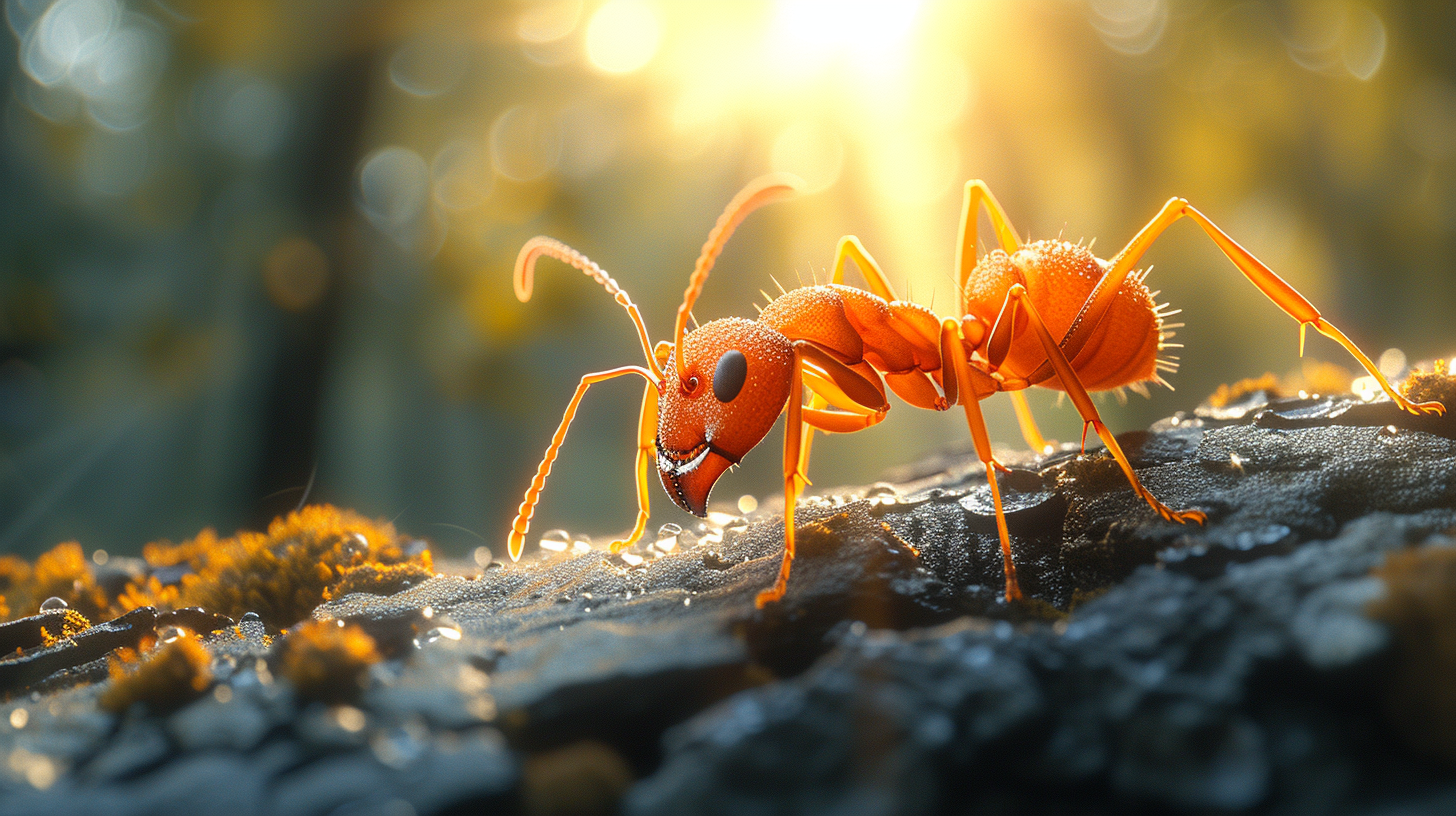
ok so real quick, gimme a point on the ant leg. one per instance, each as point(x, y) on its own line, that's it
point(1080, 398)
point(522, 522)
point(965, 376)
point(850, 247)
point(1029, 431)
point(1286, 297)
point(794, 482)
point(646, 453)
point(977, 193)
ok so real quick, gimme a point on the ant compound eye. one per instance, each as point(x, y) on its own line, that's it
point(728, 377)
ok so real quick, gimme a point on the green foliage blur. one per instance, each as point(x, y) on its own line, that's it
point(254, 248)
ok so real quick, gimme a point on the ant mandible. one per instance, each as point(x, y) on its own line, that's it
point(1046, 313)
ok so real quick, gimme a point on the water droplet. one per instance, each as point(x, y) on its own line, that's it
point(581, 547)
point(250, 617)
point(438, 633)
point(168, 634)
point(355, 546)
point(482, 557)
point(555, 540)
point(668, 530)
point(1389, 430)
point(718, 518)
point(630, 559)
point(100, 557)
point(747, 504)
point(222, 693)
point(882, 490)
point(19, 717)
point(53, 603)
point(687, 601)
point(427, 612)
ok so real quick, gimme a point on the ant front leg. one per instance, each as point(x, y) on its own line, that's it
point(1080, 398)
point(646, 453)
point(794, 482)
point(517, 540)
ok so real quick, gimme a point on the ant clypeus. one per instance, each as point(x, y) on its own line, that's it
point(1046, 313)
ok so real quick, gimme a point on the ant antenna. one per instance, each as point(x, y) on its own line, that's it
point(542, 245)
point(762, 190)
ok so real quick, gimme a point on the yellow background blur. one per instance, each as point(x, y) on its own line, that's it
point(261, 244)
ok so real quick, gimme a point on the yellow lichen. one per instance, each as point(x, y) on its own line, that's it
point(1420, 607)
point(1438, 384)
point(378, 579)
point(165, 680)
point(326, 661)
point(1313, 377)
point(69, 623)
point(1227, 394)
point(63, 572)
point(282, 574)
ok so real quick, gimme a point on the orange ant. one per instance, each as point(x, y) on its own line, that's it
point(1046, 313)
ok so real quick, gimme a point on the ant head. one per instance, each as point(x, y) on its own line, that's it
point(734, 383)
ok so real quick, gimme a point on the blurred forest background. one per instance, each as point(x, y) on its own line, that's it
point(250, 245)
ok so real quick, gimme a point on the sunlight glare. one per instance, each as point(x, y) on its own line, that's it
point(623, 35)
point(870, 34)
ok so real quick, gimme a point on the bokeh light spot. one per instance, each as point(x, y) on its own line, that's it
point(545, 22)
point(623, 35)
point(525, 143)
point(1130, 26)
point(428, 66)
point(1365, 44)
point(394, 185)
point(463, 176)
point(295, 274)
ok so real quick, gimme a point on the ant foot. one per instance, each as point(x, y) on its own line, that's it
point(1185, 516)
point(1431, 407)
point(772, 595)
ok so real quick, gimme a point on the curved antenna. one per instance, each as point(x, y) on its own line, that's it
point(762, 190)
point(542, 245)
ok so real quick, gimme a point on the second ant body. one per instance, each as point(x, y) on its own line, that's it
point(1046, 313)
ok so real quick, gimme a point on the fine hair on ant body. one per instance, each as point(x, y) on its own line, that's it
point(1046, 313)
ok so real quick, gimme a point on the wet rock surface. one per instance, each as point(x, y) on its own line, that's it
point(1156, 667)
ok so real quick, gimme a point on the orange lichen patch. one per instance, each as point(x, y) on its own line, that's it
point(69, 624)
point(328, 662)
point(64, 572)
point(1312, 378)
point(165, 680)
point(150, 592)
point(378, 579)
point(1420, 607)
point(282, 574)
point(167, 554)
point(1437, 384)
point(1227, 394)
